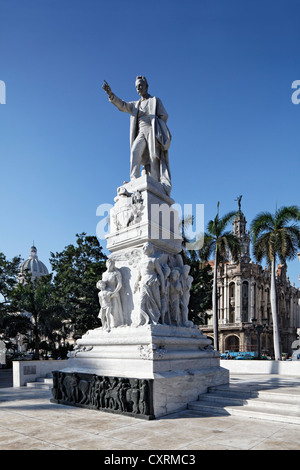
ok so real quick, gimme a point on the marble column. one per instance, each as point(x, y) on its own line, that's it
point(238, 301)
point(252, 300)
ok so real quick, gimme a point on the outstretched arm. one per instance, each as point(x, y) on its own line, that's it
point(120, 104)
point(107, 88)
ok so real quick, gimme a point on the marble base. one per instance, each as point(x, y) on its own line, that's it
point(143, 213)
point(179, 360)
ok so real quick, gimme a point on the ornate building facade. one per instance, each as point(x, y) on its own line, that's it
point(244, 295)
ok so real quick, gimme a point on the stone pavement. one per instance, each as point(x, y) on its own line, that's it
point(29, 421)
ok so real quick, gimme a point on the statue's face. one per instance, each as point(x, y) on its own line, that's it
point(141, 87)
point(110, 264)
point(147, 248)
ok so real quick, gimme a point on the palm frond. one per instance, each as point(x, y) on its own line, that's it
point(272, 236)
point(208, 247)
point(286, 214)
point(233, 244)
point(264, 221)
point(226, 219)
point(213, 226)
point(261, 247)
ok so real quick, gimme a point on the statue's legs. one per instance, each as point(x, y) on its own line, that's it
point(140, 156)
point(138, 148)
point(155, 168)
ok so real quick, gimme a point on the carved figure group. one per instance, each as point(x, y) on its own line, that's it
point(164, 290)
point(128, 209)
point(100, 392)
point(162, 287)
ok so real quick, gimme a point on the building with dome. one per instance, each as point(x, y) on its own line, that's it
point(32, 265)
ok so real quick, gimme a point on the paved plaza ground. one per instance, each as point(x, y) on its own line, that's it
point(29, 421)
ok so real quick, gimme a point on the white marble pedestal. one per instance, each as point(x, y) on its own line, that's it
point(136, 364)
point(143, 213)
point(178, 361)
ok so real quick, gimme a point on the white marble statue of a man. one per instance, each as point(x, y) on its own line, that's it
point(150, 137)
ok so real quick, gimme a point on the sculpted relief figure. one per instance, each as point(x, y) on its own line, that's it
point(150, 137)
point(165, 300)
point(105, 304)
point(103, 393)
point(128, 209)
point(186, 282)
point(109, 297)
point(150, 284)
point(175, 295)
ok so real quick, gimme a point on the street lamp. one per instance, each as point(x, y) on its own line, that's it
point(259, 329)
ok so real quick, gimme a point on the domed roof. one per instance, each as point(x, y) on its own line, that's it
point(33, 265)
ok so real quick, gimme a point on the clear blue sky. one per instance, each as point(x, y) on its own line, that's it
point(223, 69)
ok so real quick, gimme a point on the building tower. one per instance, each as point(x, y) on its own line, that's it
point(239, 229)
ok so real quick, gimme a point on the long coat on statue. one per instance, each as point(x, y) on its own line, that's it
point(160, 139)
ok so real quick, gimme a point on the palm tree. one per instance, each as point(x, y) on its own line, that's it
point(219, 243)
point(273, 237)
point(36, 298)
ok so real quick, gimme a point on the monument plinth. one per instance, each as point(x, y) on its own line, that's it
point(148, 359)
point(142, 213)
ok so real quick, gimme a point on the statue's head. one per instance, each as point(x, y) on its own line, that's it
point(148, 248)
point(186, 269)
point(141, 85)
point(174, 274)
point(110, 264)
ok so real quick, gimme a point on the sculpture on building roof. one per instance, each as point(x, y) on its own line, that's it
point(239, 201)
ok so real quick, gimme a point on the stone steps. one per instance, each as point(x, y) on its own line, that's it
point(269, 405)
point(42, 382)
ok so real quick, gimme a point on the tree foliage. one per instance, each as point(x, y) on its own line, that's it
point(276, 235)
point(48, 310)
point(11, 323)
point(218, 242)
point(76, 271)
point(8, 279)
point(32, 301)
point(201, 291)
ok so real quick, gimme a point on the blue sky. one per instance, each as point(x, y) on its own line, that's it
point(223, 69)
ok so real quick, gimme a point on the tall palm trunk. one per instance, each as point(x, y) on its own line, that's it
point(36, 340)
point(215, 304)
point(276, 335)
